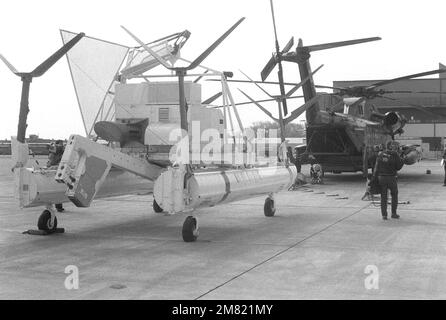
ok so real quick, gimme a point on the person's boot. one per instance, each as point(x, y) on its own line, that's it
point(384, 217)
point(395, 216)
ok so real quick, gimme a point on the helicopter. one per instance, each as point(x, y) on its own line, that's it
point(345, 141)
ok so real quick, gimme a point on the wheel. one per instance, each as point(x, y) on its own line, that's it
point(190, 229)
point(156, 207)
point(268, 208)
point(44, 222)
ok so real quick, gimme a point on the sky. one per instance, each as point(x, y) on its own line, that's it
point(411, 31)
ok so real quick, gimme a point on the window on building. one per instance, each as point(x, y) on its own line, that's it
point(163, 115)
point(221, 121)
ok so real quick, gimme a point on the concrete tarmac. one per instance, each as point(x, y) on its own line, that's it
point(323, 243)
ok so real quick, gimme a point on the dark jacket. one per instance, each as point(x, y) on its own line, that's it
point(55, 156)
point(388, 163)
point(295, 161)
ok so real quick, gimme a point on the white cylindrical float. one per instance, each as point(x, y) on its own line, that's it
point(207, 189)
point(39, 188)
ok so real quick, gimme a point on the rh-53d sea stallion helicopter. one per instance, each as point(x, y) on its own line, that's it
point(340, 141)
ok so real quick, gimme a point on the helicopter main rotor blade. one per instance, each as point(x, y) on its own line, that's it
point(279, 62)
point(268, 68)
point(275, 82)
point(48, 63)
point(408, 91)
point(212, 99)
point(259, 106)
point(416, 106)
point(275, 58)
point(416, 75)
point(288, 95)
point(256, 81)
point(288, 46)
point(296, 113)
point(300, 84)
point(250, 102)
point(331, 45)
point(199, 78)
point(258, 86)
point(9, 65)
point(328, 87)
point(282, 90)
point(205, 53)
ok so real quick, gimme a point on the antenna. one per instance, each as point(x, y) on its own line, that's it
point(182, 71)
point(27, 78)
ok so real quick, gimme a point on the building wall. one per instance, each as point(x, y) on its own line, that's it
point(418, 130)
point(440, 130)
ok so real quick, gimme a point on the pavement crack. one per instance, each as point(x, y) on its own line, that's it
point(282, 252)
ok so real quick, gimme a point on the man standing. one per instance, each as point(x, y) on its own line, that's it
point(56, 151)
point(387, 164)
point(373, 157)
point(295, 158)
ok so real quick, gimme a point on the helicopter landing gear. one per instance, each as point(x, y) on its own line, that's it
point(46, 224)
point(268, 208)
point(47, 220)
point(156, 207)
point(190, 229)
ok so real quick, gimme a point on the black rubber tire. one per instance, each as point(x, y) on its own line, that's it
point(268, 208)
point(190, 232)
point(44, 221)
point(156, 207)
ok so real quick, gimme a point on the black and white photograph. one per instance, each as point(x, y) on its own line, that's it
point(244, 152)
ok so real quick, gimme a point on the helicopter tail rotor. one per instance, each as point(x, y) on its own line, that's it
point(271, 64)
